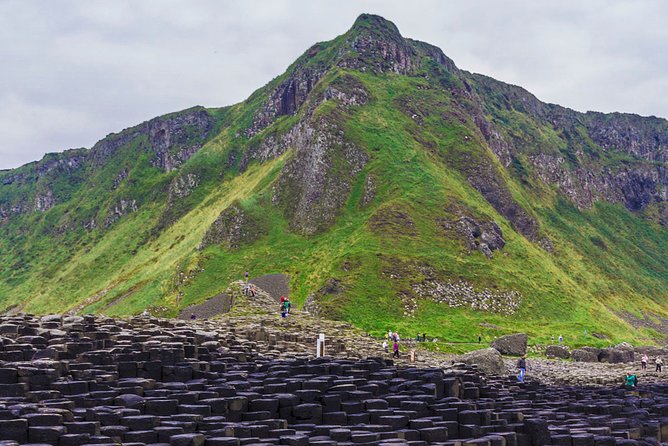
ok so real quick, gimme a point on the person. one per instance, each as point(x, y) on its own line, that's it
point(289, 304)
point(145, 313)
point(479, 339)
point(643, 361)
point(424, 337)
point(385, 346)
point(522, 365)
point(630, 381)
point(659, 363)
point(561, 339)
point(286, 307)
point(193, 317)
point(389, 335)
point(395, 348)
point(553, 339)
point(417, 338)
point(246, 276)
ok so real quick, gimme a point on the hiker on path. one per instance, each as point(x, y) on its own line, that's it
point(479, 339)
point(385, 347)
point(659, 363)
point(286, 308)
point(630, 380)
point(389, 335)
point(553, 339)
point(193, 317)
point(424, 337)
point(522, 365)
point(561, 339)
point(395, 348)
point(643, 361)
point(246, 276)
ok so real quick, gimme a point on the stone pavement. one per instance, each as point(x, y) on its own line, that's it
point(68, 381)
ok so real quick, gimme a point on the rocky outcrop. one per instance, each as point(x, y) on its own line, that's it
point(634, 186)
point(616, 355)
point(582, 355)
point(121, 208)
point(513, 344)
point(316, 182)
point(44, 201)
point(485, 236)
point(488, 360)
point(286, 98)
point(557, 351)
point(234, 227)
point(642, 137)
point(172, 138)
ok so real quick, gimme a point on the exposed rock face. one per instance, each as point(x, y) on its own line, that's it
point(183, 185)
point(514, 344)
point(44, 201)
point(316, 182)
point(233, 227)
point(557, 351)
point(488, 360)
point(644, 137)
point(287, 98)
point(635, 187)
point(172, 138)
point(577, 169)
point(484, 236)
point(123, 207)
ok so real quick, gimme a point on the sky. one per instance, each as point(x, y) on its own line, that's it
point(72, 72)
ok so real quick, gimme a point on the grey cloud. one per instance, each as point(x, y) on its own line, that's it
point(75, 71)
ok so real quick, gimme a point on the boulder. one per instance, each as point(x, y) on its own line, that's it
point(615, 355)
point(557, 351)
point(582, 355)
point(514, 344)
point(488, 360)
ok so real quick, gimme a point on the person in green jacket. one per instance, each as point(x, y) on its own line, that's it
point(631, 381)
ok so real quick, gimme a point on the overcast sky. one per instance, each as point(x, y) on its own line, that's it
point(73, 71)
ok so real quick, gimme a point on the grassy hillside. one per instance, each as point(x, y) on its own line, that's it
point(393, 256)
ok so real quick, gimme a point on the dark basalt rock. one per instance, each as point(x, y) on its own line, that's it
point(513, 344)
point(155, 381)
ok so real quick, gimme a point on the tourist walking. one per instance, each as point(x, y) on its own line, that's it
point(659, 363)
point(389, 335)
point(561, 339)
point(395, 348)
point(193, 317)
point(522, 365)
point(385, 347)
point(643, 362)
point(479, 339)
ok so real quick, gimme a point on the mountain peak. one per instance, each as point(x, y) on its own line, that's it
point(375, 24)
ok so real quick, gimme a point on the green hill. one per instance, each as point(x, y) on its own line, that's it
point(396, 190)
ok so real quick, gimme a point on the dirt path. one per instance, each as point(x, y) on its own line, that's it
point(276, 285)
point(209, 308)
